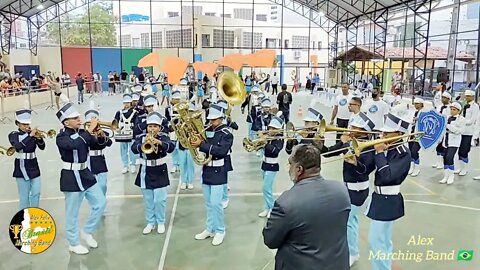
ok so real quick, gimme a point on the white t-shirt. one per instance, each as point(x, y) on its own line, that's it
point(376, 111)
point(342, 103)
point(274, 79)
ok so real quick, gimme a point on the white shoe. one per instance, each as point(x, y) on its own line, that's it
point(269, 212)
point(218, 239)
point(451, 177)
point(148, 229)
point(88, 238)
point(133, 169)
point(78, 249)
point(183, 186)
point(161, 228)
point(190, 186)
point(204, 235)
point(125, 170)
point(228, 187)
point(264, 213)
point(412, 167)
point(463, 168)
point(416, 171)
point(439, 164)
point(225, 204)
point(354, 259)
point(445, 176)
point(476, 178)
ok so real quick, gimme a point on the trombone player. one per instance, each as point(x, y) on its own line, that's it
point(312, 122)
point(26, 170)
point(152, 176)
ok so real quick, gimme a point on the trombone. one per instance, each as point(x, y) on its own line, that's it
point(7, 151)
point(113, 126)
point(323, 128)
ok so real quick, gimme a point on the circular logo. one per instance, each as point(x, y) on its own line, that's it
point(32, 230)
point(373, 109)
point(342, 102)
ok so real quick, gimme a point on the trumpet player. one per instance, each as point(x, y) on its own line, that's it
point(270, 166)
point(126, 119)
point(356, 173)
point(26, 170)
point(76, 179)
point(98, 165)
point(214, 174)
point(266, 115)
point(152, 175)
point(392, 163)
point(170, 113)
point(414, 146)
point(312, 121)
point(140, 127)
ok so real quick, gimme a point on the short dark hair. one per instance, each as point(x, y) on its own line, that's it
point(284, 86)
point(358, 100)
point(307, 155)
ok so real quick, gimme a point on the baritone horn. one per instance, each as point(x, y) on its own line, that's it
point(7, 151)
point(231, 88)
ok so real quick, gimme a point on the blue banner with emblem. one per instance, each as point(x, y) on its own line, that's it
point(434, 126)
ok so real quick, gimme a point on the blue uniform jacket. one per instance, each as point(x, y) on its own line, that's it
point(126, 115)
point(265, 120)
point(392, 169)
point(293, 142)
point(219, 142)
point(24, 143)
point(152, 177)
point(228, 158)
point(355, 174)
point(73, 146)
point(98, 163)
point(141, 126)
point(271, 150)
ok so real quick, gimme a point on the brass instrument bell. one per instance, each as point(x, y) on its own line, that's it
point(7, 151)
point(149, 146)
point(231, 88)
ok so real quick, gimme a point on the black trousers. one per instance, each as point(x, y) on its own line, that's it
point(465, 146)
point(342, 123)
point(274, 89)
point(286, 115)
point(440, 149)
point(313, 87)
point(449, 155)
point(414, 148)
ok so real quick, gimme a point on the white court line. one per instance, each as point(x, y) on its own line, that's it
point(445, 204)
point(163, 257)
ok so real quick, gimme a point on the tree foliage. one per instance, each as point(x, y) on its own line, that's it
point(75, 30)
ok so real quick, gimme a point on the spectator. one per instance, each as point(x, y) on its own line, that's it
point(284, 99)
point(274, 84)
point(80, 87)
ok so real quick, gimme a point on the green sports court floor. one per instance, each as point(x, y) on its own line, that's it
point(449, 214)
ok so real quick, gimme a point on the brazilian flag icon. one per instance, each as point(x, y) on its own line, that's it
point(465, 255)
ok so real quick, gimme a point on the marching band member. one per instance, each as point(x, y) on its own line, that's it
point(254, 113)
point(126, 119)
point(76, 179)
point(170, 114)
point(437, 99)
point(312, 122)
point(354, 106)
point(356, 171)
point(470, 114)
point(443, 109)
point(266, 115)
point(392, 164)
point(165, 92)
point(341, 111)
point(187, 164)
point(214, 176)
point(270, 166)
point(140, 127)
point(451, 141)
point(137, 104)
point(97, 164)
point(414, 146)
point(26, 169)
point(152, 175)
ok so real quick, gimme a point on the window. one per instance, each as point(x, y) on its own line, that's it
point(174, 38)
point(243, 13)
point(172, 14)
point(313, 45)
point(205, 40)
point(197, 10)
point(126, 41)
point(220, 36)
point(136, 42)
point(145, 40)
point(157, 39)
point(319, 45)
point(271, 43)
point(212, 14)
point(299, 42)
point(286, 43)
point(261, 17)
point(247, 40)
point(227, 15)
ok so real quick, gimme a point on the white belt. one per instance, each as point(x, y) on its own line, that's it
point(216, 163)
point(357, 186)
point(387, 190)
point(96, 153)
point(151, 162)
point(271, 160)
point(26, 155)
point(74, 166)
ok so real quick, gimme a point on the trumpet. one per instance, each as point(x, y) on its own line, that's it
point(7, 151)
point(49, 134)
point(149, 146)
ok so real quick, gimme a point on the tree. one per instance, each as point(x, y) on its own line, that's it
point(76, 30)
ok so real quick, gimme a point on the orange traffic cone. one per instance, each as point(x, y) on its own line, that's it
point(300, 111)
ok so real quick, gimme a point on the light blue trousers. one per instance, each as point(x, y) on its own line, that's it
point(176, 156)
point(128, 157)
point(73, 201)
point(251, 134)
point(28, 192)
point(268, 178)
point(102, 181)
point(187, 166)
point(352, 230)
point(380, 240)
point(225, 191)
point(154, 202)
point(213, 204)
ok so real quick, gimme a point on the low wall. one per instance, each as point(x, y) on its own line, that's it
point(13, 103)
